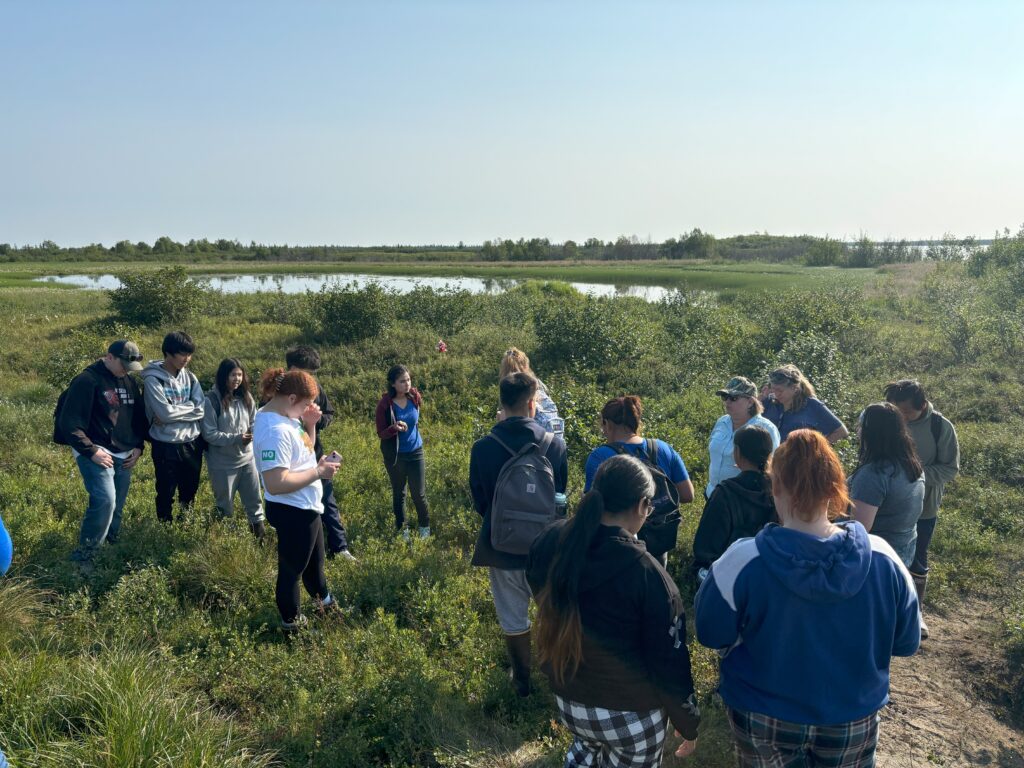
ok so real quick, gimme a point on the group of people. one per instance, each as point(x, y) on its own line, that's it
point(793, 559)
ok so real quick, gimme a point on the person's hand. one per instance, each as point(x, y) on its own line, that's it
point(766, 390)
point(311, 415)
point(325, 469)
point(102, 458)
point(246, 437)
point(402, 426)
point(686, 748)
point(130, 461)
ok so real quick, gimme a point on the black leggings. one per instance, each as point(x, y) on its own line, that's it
point(408, 467)
point(300, 554)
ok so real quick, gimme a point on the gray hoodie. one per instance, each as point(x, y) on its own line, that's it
point(223, 428)
point(176, 401)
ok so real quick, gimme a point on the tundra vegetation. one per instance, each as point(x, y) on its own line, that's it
point(168, 653)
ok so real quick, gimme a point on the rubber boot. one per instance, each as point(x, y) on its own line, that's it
point(519, 655)
point(921, 585)
point(259, 530)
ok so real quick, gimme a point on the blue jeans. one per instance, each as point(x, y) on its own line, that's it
point(107, 488)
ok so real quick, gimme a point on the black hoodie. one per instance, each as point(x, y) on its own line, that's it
point(103, 411)
point(738, 508)
point(634, 629)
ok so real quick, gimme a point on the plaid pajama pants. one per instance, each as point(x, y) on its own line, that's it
point(609, 738)
point(764, 742)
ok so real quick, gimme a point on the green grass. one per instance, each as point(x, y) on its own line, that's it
point(168, 652)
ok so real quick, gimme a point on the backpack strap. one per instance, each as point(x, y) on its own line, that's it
point(935, 422)
point(543, 445)
point(651, 445)
point(500, 442)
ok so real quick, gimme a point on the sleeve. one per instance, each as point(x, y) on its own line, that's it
point(6, 549)
point(907, 638)
point(477, 487)
point(594, 460)
point(826, 421)
point(326, 409)
point(276, 452)
point(140, 422)
point(947, 457)
point(158, 405)
point(211, 427)
point(560, 465)
point(666, 656)
point(76, 412)
point(676, 469)
point(713, 532)
point(869, 485)
point(715, 621)
point(772, 411)
point(385, 430)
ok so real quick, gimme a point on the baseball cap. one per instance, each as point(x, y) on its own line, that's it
point(739, 386)
point(129, 353)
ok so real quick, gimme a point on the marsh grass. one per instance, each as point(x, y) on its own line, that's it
point(168, 652)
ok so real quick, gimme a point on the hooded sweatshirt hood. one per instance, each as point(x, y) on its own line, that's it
point(819, 570)
point(612, 551)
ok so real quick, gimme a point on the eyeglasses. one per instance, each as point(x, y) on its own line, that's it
point(648, 506)
point(131, 358)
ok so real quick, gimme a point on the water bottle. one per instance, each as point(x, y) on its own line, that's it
point(560, 504)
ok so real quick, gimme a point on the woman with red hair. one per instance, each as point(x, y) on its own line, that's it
point(807, 616)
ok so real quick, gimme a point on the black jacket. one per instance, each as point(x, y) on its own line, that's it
point(485, 463)
point(738, 508)
point(634, 628)
point(326, 417)
point(103, 411)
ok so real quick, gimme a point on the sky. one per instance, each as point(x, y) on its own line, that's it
point(438, 122)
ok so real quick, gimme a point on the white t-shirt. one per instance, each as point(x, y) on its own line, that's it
point(278, 442)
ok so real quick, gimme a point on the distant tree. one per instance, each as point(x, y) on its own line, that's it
point(569, 250)
point(863, 253)
point(164, 245)
point(124, 248)
point(824, 252)
point(951, 248)
point(699, 245)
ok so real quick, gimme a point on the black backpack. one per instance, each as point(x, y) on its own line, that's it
point(58, 436)
point(524, 497)
point(660, 530)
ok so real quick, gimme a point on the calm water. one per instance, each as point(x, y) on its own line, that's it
point(302, 283)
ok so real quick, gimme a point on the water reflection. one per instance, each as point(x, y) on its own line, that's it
point(291, 283)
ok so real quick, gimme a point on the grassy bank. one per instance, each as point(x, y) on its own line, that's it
point(168, 653)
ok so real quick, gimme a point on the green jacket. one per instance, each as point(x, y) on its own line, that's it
point(940, 458)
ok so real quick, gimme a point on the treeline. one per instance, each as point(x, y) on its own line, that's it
point(697, 245)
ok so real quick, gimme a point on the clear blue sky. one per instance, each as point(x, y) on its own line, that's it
point(435, 122)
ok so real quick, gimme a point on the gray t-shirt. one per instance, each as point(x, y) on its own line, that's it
point(899, 501)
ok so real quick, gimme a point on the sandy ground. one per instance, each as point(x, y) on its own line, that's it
point(939, 712)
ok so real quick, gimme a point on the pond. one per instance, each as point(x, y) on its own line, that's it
point(296, 283)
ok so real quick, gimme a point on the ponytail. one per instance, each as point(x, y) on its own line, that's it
point(559, 631)
point(621, 482)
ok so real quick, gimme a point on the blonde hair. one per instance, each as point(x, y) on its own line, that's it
point(514, 361)
point(794, 375)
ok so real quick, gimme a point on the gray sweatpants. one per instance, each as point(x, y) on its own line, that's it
point(244, 479)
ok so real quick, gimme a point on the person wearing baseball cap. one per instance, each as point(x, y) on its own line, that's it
point(742, 409)
point(102, 417)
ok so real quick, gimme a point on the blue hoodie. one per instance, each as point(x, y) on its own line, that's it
point(6, 551)
point(806, 625)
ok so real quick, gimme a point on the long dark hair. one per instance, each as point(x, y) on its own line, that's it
point(754, 444)
point(621, 482)
point(394, 372)
point(884, 437)
point(227, 365)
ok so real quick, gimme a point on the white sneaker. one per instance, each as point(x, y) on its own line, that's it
point(346, 555)
point(405, 535)
point(424, 531)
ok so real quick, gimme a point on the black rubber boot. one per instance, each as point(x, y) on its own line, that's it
point(259, 530)
point(519, 655)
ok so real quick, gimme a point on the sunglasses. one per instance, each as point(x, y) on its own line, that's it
point(131, 358)
point(731, 398)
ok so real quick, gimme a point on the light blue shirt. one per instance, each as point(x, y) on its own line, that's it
point(722, 465)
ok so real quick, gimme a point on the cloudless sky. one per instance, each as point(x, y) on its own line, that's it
point(433, 122)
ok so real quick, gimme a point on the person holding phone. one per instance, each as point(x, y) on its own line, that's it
point(283, 442)
point(228, 416)
point(397, 420)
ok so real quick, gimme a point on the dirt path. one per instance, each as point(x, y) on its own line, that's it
point(939, 714)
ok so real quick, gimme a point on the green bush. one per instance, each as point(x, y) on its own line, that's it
point(346, 314)
point(163, 296)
